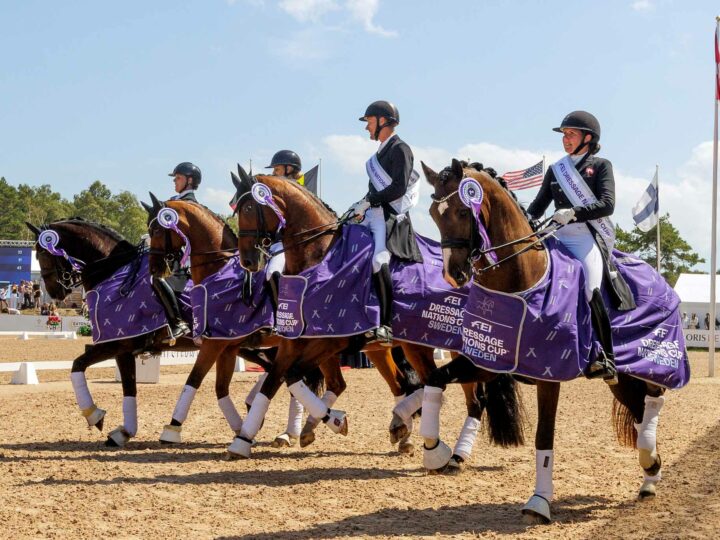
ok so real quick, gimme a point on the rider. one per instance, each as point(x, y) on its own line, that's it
point(287, 164)
point(392, 191)
point(580, 234)
point(187, 178)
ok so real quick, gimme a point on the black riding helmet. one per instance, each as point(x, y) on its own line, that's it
point(382, 109)
point(585, 122)
point(285, 157)
point(191, 171)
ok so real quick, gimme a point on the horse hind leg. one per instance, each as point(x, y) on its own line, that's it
point(475, 402)
point(92, 355)
point(332, 374)
point(648, 455)
point(224, 369)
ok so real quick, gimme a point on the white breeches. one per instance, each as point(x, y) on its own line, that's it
point(276, 262)
point(375, 221)
point(579, 240)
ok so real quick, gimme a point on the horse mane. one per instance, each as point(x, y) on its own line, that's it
point(447, 173)
point(312, 196)
point(221, 221)
point(109, 231)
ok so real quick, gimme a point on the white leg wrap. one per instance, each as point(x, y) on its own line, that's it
point(543, 474)
point(466, 440)
point(295, 417)
point(230, 413)
point(183, 403)
point(647, 429)
point(82, 394)
point(255, 389)
point(328, 398)
point(430, 421)
point(315, 406)
point(407, 406)
point(255, 416)
point(130, 415)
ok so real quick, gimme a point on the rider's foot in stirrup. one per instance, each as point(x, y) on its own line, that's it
point(384, 336)
point(602, 368)
point(177, 331)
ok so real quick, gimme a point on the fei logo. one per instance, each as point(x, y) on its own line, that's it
point(480, 325)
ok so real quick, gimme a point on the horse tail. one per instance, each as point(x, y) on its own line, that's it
point(315, 381)
point(628, 407)
point(505, 412)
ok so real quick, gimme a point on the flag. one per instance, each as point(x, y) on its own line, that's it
point(645, 212)
point(717, 63)
point(527, 178)
point(310, 179)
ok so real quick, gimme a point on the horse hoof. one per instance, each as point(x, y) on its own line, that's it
point(455, 466)
point(306, 439)
point(406, 448)
point(96, 418)
point(171, 434)
point(536, 511)
point(436, 459)
point(284, 441)
point(648, 491)
point(337, 422)
point(398, 429)
point(117, 438)
point(239, 448)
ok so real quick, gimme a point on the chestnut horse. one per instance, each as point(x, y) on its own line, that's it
point(212, 243)
point(309, 229)
point(523, 263)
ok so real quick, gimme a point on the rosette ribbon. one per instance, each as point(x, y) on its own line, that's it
point(471, 194)
point(49, 240)
point(168, 218)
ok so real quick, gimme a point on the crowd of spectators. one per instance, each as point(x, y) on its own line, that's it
point(23, 296)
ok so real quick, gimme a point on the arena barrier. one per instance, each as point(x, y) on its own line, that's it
point(47, 335)
point(147, 369)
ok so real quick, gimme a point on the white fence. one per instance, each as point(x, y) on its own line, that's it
point(38, 323)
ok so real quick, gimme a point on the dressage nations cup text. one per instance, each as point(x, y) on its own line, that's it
point(285, 319)
point(481, 345)
point(662, 353)
point(445, 318)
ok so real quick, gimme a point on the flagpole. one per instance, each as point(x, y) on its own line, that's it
point(657, 226)
point(713, 248)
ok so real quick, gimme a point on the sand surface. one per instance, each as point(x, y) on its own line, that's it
point(57, 480)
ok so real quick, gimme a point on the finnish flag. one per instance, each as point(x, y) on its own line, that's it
point(645, 212)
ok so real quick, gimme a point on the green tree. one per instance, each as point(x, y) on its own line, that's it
point(132, 217)
point(676, 255)
point(121, 212)
point(11, 217)
point(41, 205)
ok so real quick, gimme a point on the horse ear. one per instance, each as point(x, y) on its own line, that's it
point(157, 205)
point(243, 175)
point(457, 168)
point(33, 228)
point(246, 181)
point(147, 207)
point(236, 180)
point(430, 175)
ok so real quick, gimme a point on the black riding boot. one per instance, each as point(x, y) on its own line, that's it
point(274, 283)
point(383, 286)
point(166, 296)
point(604, 365)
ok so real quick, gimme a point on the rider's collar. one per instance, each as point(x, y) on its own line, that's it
point(385, 142)
point(181, 194)
point(577, 158)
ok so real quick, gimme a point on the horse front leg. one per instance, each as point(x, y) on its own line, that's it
point(208, 354)
point(224, 369)
point(537, 509)
point(92, 355)
point(120, 436)
point(335, 383)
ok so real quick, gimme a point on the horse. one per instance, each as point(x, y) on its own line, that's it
point(211, 243)
point(523, 260)
point(309, 229)
point(103, 251)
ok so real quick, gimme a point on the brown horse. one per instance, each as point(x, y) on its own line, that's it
point(212, 243)
point(103, 251)
point(309, 230)
point(525, 263)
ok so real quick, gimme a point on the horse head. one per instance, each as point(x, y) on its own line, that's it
point(455, 220)
point(165, 242)
point(259, 217)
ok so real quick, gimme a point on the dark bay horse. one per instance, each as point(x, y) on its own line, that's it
point(103, 251)
point(212, 242)
point(310, 227)
point(636, 401)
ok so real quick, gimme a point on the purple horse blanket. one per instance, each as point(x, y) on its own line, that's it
point(545, 332)
point(221, 309)
point(124, 305)
point(336, 297)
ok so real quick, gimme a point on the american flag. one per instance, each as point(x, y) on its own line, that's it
point(526, 178)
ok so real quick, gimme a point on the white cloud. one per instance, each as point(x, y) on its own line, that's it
point(305, 46)
point(217, 200)
point(308, 10)
point(364, 11)
point(642, 5)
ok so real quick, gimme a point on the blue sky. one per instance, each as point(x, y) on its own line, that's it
point(121, 92)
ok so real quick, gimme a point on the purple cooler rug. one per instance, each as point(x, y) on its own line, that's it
point(221, 312)
point(545, 332)
point(124, 305)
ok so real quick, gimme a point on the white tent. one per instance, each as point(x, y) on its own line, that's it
point(694, 293)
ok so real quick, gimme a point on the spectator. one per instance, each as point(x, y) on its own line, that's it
point(37, 293)
point(45, 309)
point(12, 298)
point(685, 320)
point(27, 295)
point(694, 322)
point(707, 321)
